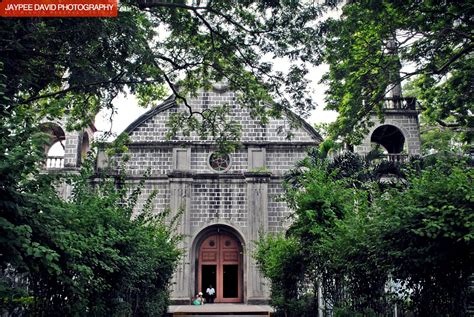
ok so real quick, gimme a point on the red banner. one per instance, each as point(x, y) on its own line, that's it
point(58, 8)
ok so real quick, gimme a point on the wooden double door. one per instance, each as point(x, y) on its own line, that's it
point(219, 261)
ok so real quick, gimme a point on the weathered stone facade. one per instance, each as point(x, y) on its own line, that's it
point(241, 200)
point(232, 204)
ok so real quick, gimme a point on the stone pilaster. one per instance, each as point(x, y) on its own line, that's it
point(180, 189)
point(71, 149)
point(257, 211)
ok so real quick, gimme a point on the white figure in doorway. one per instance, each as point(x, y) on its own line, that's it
point(210, 294)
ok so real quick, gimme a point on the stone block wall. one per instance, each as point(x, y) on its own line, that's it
point(157, 186)
point(406, 121)
point(154, 128)
point(157, 160)
point(71, 149)
point(282, 159)
point(240, 197)
point(245, 197)
point(215, 196)
point(215, 200)
point(278, 211)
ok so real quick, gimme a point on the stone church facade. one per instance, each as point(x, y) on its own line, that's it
point(225, 201)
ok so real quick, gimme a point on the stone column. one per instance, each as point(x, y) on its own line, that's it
point(180, 189)
point(72, 149)
point(257, 221)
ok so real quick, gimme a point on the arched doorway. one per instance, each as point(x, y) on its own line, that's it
point(220, 265)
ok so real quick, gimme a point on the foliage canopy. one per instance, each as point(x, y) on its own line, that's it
point(84, 256)
point(372, 242)
point(80, 65)
point(434, 41)
point(81, 256)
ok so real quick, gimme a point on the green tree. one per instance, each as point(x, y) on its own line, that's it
point(436, 137)
point(427, 231)
point(87, 256)
point(373, 241)
point(79, 65)
point(434, 41)
point(82, 256)
point(330, 199)
point(280, 260)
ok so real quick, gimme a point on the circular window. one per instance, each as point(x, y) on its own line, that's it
point(219, 162)
point(228, 243)
point(212, 243)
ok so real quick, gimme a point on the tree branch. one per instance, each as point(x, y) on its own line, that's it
point(73, 88)
point(154, 4)
point(454, 58)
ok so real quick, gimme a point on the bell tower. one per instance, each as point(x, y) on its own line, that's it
point(399, 133)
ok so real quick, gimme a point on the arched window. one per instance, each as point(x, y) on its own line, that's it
point(392, 141)
point(55, 148)
point(55, 157)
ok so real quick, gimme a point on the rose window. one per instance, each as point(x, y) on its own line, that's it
point(219, 162)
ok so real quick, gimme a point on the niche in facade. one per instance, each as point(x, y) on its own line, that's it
point(85, 145)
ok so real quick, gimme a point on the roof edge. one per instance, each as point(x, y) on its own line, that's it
point(169, 103)
point(305, 125)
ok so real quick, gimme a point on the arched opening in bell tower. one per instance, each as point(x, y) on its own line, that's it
point(390, 138)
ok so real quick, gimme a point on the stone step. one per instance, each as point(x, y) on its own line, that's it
point(218, 315)
point(215, 310)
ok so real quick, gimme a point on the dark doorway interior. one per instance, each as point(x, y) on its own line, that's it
point(208, 277)
point(231, 281)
